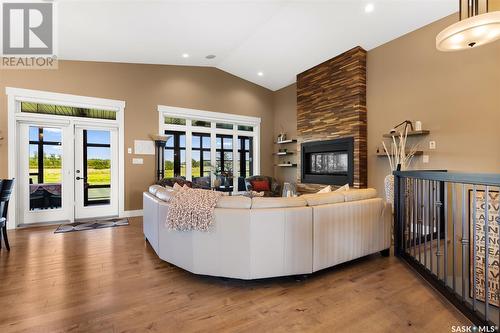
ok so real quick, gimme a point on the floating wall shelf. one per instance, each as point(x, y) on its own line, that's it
point(286, 141)
point(410, 133)
point(417, 153)
point(286, 165)
point(283, 153)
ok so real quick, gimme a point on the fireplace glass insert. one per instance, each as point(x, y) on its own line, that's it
point(328, 162)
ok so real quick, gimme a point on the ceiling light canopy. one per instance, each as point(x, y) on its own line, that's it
point(260, 74)
point(369, 8)
point(479, 25)
point(185, 55)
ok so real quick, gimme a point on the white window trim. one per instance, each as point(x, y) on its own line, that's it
point(17, 95)
point(213, 117)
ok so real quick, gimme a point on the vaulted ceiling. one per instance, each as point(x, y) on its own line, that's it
point(276, 39)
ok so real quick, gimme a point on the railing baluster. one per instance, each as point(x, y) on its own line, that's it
point(474, 287)
point(486, 250)
point(431, 222)
point(453, 218)
point(437, 218)
point(424, 219)
point(419, 221)
point(414, 214)
point(464, 242)
point(445, 205)
point(406, 218)
point(403, 214)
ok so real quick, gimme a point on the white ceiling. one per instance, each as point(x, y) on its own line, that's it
point(278, 38)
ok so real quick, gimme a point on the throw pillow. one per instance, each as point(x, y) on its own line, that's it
point(260, 185)
point(326, 189)
point(177, 187)
point(343, 188)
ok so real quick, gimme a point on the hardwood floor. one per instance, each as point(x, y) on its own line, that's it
point(110, 280)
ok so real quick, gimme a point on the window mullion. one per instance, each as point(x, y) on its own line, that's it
point(236, 170)
point(189, 144)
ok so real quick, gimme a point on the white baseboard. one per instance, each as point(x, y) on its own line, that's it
point(132, 213)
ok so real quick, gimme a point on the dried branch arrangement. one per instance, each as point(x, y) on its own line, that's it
point(398, 153)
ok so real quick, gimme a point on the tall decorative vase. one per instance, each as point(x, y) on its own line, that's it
point(389, 189)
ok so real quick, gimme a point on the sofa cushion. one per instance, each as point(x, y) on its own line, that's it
point(343, 188)
point(154, 188)
point(235, 202)
point(359, 194)
point(326, 189)
point(278, 202)
point(317, 199)
point(165, 194)
point(260, 185)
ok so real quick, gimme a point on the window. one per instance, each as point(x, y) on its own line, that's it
point(175, 154)
point(210, 148)
point(175, 121)
point(200, 123)
point(245, 153)
point(60, 110)
point(201, 167)
point(245, 128)
point(224, 126)
point(45, 167)
point(97, 167)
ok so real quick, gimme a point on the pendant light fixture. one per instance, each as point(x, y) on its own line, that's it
point(479, 25)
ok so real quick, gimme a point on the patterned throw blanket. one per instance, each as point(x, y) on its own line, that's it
point(192, 209)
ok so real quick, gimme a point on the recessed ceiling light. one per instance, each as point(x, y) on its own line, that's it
point(185, 55)
point(260, 74)
point(369, 8)
point(210, 56)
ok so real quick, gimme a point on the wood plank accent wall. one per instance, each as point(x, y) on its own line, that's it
point(331, 103)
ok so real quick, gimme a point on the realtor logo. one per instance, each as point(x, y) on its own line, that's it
point(28, 35)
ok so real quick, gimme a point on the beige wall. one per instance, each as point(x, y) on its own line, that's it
point(455, 95)
point(143, 87)
point(285, 119)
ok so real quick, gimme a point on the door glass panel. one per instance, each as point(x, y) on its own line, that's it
point(97, 167)
point(169, 163)
point(244, 160)
point(45, 168)
point(224, 162)
point(183, 163)
point(195, 164)
point(200, 164)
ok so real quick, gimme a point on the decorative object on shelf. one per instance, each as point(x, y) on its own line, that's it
point(418, 125)
point(399, 157)
point(289, 190)
point(282, 134)
point(479, 24)
point(407, 123)
point(160, 142)
point(282, 137)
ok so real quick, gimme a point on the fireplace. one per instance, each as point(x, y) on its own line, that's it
point(328, 162)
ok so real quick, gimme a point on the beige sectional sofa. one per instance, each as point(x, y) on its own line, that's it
point(268, 237)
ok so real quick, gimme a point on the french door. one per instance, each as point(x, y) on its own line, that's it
point(67, 172)
point(96, 171)
point(45, 172)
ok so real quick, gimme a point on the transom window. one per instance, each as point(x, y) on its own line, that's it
point(62, 110)
point(213, 150)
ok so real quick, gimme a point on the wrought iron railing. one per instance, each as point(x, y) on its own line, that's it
point(447, 228)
